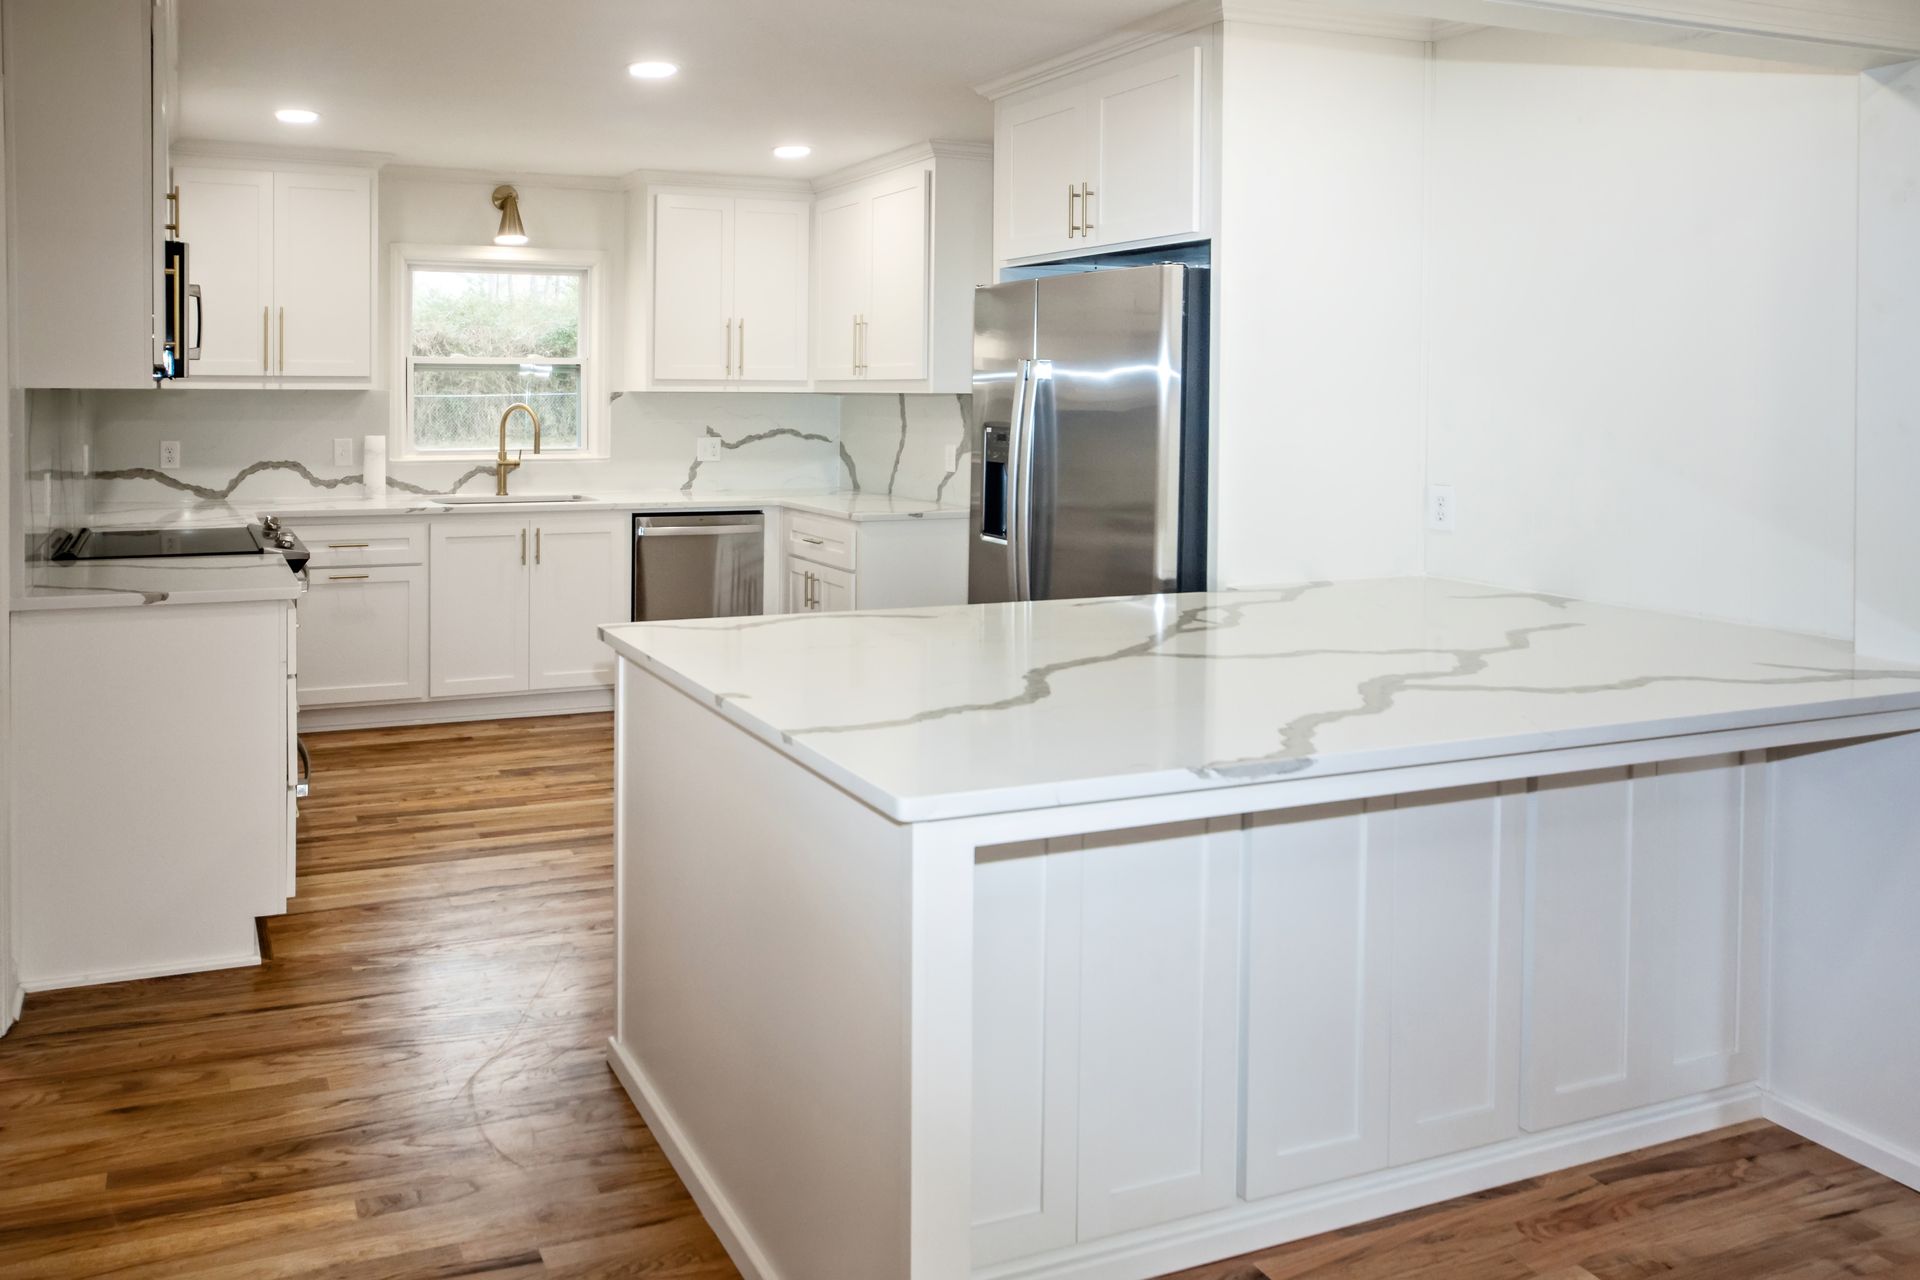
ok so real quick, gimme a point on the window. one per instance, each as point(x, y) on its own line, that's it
point(483, 329)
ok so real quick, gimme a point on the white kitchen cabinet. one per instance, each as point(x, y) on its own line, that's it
point(1319, 996)
point(479, 606)
point(284, 260)
point(229, 213)
point(517, 603)
point(322, 274)
point(833, 565)
point(1457, 858)
point(1645, 916)
point(579, 582)
point(89, 105)
point(366, 635)
point(1110, 156)
point(870, 313)
point(1106, 1052)
point(730, 283)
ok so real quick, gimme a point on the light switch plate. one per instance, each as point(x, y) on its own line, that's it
point(707, 449)
point(169, 455)
point(1440, 508)
point(343, 451)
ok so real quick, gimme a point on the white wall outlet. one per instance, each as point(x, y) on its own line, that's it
point(343, 451)
point(169, 455)
point(1440, 510)
point(707, 449)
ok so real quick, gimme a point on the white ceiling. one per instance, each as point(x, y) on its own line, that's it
point(540, 86)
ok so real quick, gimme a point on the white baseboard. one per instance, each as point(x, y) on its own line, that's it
point(1815, 1125)
point(1262, 1224)
point(506, 706)
point(715, 1207)
point(60, 982)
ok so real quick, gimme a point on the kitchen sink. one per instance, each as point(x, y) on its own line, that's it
point(494, 499)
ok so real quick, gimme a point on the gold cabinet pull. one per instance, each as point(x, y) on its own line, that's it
point(283, 339)
point(853, 361)
point(743, 347)
point(1086, 210)
point(173, 198)
point(347, 546)
point(347, 577)
point(266, 339)
point(523, 546)
point(1073, 223)
point(729, 348)
point(536, 546)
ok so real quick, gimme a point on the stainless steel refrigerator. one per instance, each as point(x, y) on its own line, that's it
point(1089, 435)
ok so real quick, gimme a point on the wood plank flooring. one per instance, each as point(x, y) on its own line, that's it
point(415, 1085)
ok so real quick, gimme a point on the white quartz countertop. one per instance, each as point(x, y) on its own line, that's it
point(304, 510)
point(950, 712)
point(172, 580)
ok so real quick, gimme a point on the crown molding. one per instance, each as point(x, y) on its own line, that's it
point(494, 177)
point(1335, 16)
point(722, 182)
point(1190, 16)
point(916, 153)
point(262, 153)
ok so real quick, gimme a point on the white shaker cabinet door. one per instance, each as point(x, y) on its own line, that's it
point(322, 275)
point(842, 284)
point(364, 634)
point(1043, 152)
point(226, 215)
point(1146, 175)
point(693, 288)
point(581, 581)
point(894, 340)
point(1318, 998)
point(479, 606)
point(1026, 1046)
point(1457, 865)
point(770, 240)
point(1159, 1025)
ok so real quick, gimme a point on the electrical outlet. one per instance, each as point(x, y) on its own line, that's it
point(343, 451)
point(1440, 509)
point(707, 449)
point(169, 455)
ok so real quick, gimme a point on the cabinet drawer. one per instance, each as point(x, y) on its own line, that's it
point(357, 546)
point(823, 541)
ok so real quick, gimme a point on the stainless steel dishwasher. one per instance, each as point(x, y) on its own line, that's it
point(708, 564)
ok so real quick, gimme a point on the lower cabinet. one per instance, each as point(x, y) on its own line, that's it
point(1645, 893)
point(1106, 1035)
point(834, 565)
point(1416, 977)
point(815, 588)
point(364, 633)
point(516, 603)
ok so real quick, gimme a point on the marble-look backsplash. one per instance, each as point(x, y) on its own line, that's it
point(90, 448)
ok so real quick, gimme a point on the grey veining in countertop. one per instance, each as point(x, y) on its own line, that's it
point(935, 713)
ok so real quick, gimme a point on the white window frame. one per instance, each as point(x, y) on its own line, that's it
point(596, 432)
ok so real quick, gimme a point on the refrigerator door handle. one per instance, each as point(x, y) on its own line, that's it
point(1034, 374)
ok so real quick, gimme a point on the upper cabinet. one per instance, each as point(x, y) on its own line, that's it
point(897, 256)
point(729, 289)
point(89, 104)
point(284, 261)
point(1106, 157)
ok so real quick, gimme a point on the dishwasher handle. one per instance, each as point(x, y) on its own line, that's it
point(696, 531)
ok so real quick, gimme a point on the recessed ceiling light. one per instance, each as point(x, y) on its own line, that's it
point(296, 115)
point(651, 70)
point(793, 151)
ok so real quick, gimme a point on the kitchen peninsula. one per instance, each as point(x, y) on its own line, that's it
point(1101, 938)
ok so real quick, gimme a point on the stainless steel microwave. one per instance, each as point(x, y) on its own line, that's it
point(179, 346)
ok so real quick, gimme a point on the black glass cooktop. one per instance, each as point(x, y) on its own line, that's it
point(119, 544)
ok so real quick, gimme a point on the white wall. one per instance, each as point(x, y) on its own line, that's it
point(1641, 322)
point(1887, 614)
point(1317, 456)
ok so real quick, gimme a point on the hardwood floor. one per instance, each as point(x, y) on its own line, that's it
point(415, 1085)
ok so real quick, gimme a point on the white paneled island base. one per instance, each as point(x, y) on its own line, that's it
point(1104, 938)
